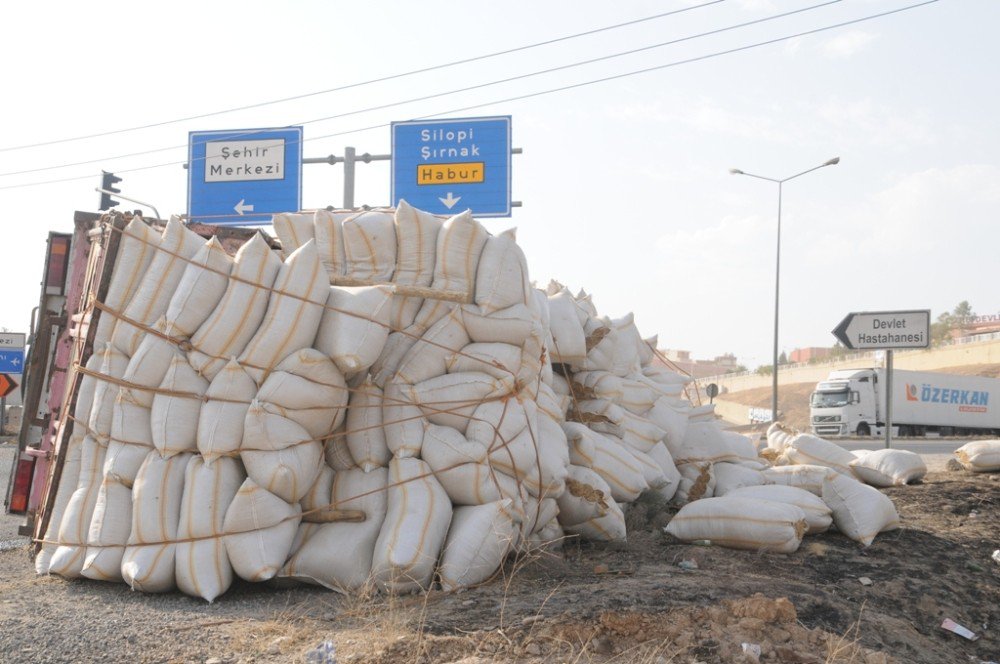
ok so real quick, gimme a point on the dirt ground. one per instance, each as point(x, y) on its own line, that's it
point(588, 603)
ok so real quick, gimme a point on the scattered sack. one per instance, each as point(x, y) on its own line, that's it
point(889, 467)
point(859, 511)
point(980, 456)
point(818, 515)
point(741, 523)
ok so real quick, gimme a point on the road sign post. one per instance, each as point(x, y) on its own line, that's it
point(888, 331)
point(11, 362)
point(242, 177)
point(443, 166)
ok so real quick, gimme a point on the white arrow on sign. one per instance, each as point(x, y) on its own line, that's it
point(450, 201)
point(241, 207)
point(867, 330)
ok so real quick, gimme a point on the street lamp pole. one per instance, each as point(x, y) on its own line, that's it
point(777, 272)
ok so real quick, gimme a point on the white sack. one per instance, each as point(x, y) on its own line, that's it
point(307, 388)
point(280, 456)
point(818, 515)
point(174, 414)
point(729, 477)
point(293, 230)
point(889, 467)
point(339, 555)
point(149, 560)
point(860, 512)
point(294, 311)
point(355, 326)
point(416, 524)
point(220, 421)
point(202, 564)
point(369, 246)
point(808, 449)
point(502, 277)
point(259, 529)
point(808, 477)
point(478, 540)
point(151, 299)
point(365, 434)
point(981, 456)
point(745, 523)
point(236, 318)
point(202, 285)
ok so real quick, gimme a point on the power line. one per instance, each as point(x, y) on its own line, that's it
point(470, 88)
point(540, 93)
point(359, 84)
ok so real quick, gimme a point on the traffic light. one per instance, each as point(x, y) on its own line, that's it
point(108, 180)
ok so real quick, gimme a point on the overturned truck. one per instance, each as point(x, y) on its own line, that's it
point(377, 397)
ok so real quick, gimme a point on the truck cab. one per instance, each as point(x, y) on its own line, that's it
point(845, 404)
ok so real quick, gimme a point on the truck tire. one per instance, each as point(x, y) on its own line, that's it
point(864, 430)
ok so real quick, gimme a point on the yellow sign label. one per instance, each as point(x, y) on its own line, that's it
point(465, 173)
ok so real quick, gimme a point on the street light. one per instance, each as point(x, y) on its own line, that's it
point(777, 272)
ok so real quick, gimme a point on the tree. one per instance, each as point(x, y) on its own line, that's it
point(782, 359)
point(943, 328)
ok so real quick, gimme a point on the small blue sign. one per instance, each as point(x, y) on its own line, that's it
point(12, 361)
point(242, 177)
point(446, 166)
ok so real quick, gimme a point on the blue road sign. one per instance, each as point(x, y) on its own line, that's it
point(12, 361)
point(446, 166)
point(242, 177)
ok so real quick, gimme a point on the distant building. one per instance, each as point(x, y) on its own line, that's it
point(681, 360)
point(974, 326)
point(811, 354)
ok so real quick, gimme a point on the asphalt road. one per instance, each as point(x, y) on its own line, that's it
point(918, 445)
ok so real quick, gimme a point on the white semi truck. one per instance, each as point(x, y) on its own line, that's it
point(852, 402)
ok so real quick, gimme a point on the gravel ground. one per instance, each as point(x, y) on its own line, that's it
point(937, 567)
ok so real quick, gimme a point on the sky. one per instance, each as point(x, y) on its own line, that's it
point(625, 184)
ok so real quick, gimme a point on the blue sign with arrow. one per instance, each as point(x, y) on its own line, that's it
point(242, 177)
point(12, 361)
point(446, 166)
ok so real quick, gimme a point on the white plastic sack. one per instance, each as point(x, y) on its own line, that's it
point(220, 421)
point(818, 515)
point(339, 555)
point(478, 540)
point(416, 524)
point(202, 564)
point(743, 523)
point(355, 326)
point(175, 410)
point(365, 434)
point(233, 322)
point(808, 477)
point(293, 230)
point(294, 311)
point(889, 467)
point(259, 529)
point(808, 449)
point(729, 477)
point(369, 246)
point(149, 560)
point(860, 512)
point(201, 286)
point(981, 456)
point(307, 388)
point(151, 299)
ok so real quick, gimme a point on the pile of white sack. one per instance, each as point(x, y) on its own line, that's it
point(388, 401)
point(812, 485)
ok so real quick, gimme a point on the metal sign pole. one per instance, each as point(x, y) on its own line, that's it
point(888, 398)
